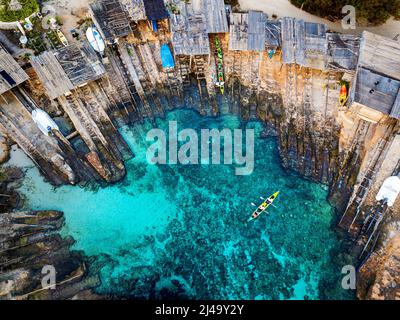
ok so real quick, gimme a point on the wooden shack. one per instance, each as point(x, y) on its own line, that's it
point(377, 84)
point(342, 51)
point(110, 18)
point(11, 73)
point(304, 43)
point(272, 34)
point(311, 44)
point(247, 31)
point(67, 68)
point(288, 34)
point(215, 13)
point(189, 32)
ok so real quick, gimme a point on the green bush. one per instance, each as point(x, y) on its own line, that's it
point(371, 11)
point(8, 15)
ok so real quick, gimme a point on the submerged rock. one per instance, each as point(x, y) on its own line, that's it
point(30, 247)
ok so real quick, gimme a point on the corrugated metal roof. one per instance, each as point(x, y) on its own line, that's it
point(247, 31)
point(11, 74)
point(288, 39)
point(215, 12)
point(256, 31)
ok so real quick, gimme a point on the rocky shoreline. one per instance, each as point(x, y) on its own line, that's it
point(30, 240)
point(333, 144)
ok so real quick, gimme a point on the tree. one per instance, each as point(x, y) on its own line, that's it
point(371, 11)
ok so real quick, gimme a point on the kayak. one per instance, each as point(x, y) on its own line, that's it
point(62, 38)
point(220, 66)
point(343, 95)
point(271, 53)
point(263, 206)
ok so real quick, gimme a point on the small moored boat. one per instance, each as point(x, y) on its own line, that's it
point(44, 122)
point(343, 95)
point(219, 57)
point(263, 206)
point(62, 38)
point(95, 40)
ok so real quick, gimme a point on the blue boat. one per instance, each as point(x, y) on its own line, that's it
point(271, 53)
point(154, 25)
point(166, 57)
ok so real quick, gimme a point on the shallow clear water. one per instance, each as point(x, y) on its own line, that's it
point(179, 230)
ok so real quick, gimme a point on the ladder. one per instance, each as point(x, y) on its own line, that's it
point(201, 79)
point(368, 176)
point(237, 64)
point(255, 72)
point(290, 91)
point(184, 70)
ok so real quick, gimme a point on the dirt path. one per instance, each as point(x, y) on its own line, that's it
point(283, 8)
point(70, 11)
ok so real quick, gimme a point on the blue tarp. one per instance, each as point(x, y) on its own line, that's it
point(166, 57)
point(154, 24)
point(9, 79)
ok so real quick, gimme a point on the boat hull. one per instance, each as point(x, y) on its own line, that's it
point(263, 207)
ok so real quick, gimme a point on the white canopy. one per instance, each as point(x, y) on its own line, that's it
point(43, 121)
point(389, 190)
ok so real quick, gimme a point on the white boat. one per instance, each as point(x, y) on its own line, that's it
point(62, 38)
point(95, 40)
point(389, 190)
point(43, 121)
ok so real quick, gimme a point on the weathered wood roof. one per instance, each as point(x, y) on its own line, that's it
point(238, 31)
point(380, 54)
point(51, 74)
point(288, 39)
point(63, 70)
point(378, 92)
point(377, 84)
point(256, 38)
point(304, 43)
point(110, 18)
point(215, 12)
point(312, 52)
point(247, 31)
point(189, 34)
point(11, 74)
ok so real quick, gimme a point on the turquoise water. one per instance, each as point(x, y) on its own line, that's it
point(179, 231)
